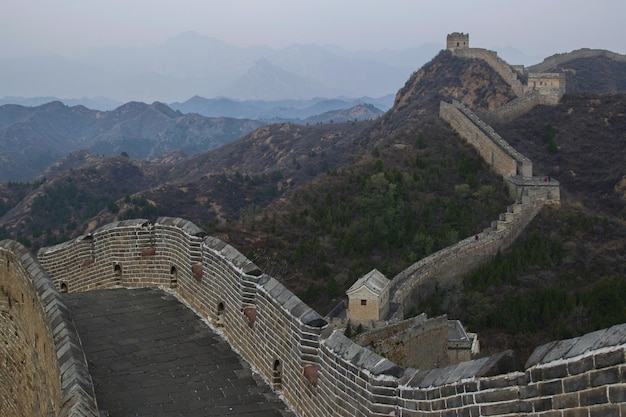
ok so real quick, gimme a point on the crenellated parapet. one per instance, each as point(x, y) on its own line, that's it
point(318, 371)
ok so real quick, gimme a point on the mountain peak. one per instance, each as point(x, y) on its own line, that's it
point(164, 109)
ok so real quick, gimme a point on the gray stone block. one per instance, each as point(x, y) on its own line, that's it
point(497, 364)
point(614, 336)
point(585, 343)
point(559, 350)
point(386, 367)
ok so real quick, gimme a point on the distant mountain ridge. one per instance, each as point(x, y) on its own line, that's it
point(276, 110)
point(95, 103)
point(356, 113)
point(32, 138)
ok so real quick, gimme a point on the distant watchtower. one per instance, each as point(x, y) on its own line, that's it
point(457, 40)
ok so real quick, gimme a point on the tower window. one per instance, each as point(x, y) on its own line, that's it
point(363, 302)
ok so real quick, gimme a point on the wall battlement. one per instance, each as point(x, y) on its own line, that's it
point(463, 256)
point(320, 372)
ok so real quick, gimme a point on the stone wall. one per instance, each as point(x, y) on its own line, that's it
point(539, 88)
point(525, 103)
point(516, 108)
point(463, 256)
point(501, 156)
point(508, 74)
point(267, 324)
point(320, 372)
point(43, 371)
point(585, 376)
point(417, 342)
point(530, 194)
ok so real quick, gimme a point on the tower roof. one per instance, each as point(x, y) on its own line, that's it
point(374, 281)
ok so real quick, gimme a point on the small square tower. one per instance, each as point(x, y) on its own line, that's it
point(457, 40)
point(368, 298)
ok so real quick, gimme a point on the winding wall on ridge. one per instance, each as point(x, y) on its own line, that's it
point(467, 254)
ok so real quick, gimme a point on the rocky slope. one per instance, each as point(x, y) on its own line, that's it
point(588, 70)
point(359, 112)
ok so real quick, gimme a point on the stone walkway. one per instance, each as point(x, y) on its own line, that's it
point(149, 355)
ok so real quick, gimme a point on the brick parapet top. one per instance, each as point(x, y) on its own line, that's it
point(291, 303)
point(371, 363)
point(571, 350)
point(187, 226)
point(534, 181)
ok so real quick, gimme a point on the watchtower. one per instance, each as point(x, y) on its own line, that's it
point(457, 40)
point(368, 298)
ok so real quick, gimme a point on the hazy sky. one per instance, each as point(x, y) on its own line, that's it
point(538, 28)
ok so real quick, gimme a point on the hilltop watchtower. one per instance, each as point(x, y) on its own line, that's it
point(457, 40)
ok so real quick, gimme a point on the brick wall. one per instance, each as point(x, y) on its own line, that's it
point(584, 376)
point(42, 369)
point(515, 108)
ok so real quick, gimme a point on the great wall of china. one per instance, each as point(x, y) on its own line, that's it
point(317, 370)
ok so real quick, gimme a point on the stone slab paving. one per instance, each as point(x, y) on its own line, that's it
point(150, 355)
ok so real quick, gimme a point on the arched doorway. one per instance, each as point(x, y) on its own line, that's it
point(277, 371)
point(117, 272)
point(173, 277)
point(219, 321)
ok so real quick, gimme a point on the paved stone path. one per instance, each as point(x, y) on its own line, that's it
point(149, 355)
